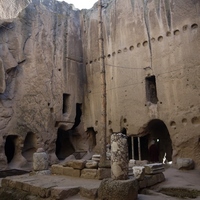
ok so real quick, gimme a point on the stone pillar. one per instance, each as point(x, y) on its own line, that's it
point(40, 160)
point(119, 156)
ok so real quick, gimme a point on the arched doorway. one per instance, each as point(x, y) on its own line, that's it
point(30, 146)
point(10, 147)
point(64, 147)
point(155, 131)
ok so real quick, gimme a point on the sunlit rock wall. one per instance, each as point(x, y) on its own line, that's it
point(41, 77)
point(146, 41)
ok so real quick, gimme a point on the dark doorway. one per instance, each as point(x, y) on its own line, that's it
point(10, 147)
point(29, 146)
point(151, 91)
point(64, 147)
point(156, 131)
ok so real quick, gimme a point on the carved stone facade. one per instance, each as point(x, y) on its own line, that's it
point(50, 87)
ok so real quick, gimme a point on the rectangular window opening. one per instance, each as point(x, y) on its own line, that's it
point(151, 91)
point(65, 102)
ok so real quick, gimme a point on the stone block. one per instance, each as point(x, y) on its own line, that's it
point(91, 164)
point(89, 173)
point(88, 192)
point(154, 168)
point(139, 172)
point(118, 189)
point(69, 171)
point(40, 161)
point(57, 169)
point(76, 164)
point(60, 193)
point(131, 163)
point(103, 173)
point(151, 180)
point(142, 183)
point(185, 163)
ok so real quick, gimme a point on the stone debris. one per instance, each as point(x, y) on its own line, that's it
point(96, 158)
point(139, 172)
point(91, 164)
point(118, 189)
point(185, 163)
point(154, 168)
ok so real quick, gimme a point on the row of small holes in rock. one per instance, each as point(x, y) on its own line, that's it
point(145, 43)
point(194, 121)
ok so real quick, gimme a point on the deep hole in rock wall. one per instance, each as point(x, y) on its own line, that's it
point(64, 147)
point(65, 102)
point(78, 115)
point(29, 146)
point(10, 147)
point(151, 91)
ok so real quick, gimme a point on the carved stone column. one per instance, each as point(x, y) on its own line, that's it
point(119, 156)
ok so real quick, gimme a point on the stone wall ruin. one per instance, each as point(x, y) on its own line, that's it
point(50, 77)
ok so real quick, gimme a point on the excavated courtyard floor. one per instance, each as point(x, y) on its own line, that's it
point(178, 184)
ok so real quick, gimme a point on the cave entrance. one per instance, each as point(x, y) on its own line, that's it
point(30, 146)
point(10, 147)
point(64, 147)
point(156, 135)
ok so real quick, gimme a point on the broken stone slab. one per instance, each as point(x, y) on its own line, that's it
point(90, 193)
point(118, 189)
point(139, 172)
point(91, 164)
point(154, 168)
point(40, 161)
point(76, 164)
point(185, 163)
point(89, 173)
point(150, 180)
point(60, 193)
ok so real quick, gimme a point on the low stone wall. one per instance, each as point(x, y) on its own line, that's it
point(80, 168)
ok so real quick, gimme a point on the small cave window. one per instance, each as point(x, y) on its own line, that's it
point(10, 147)
point(65, 102)
point(151, 91)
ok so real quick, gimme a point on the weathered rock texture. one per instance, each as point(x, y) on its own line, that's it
point(148, 45)
point(41, 78)
point(50, 89)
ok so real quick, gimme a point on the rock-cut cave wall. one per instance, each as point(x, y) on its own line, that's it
point(41, 78)
point(152, 73)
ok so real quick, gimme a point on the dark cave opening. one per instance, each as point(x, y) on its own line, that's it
point(10, 147)
point(64, 147)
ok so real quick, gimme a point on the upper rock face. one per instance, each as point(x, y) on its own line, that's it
point(11, 8)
